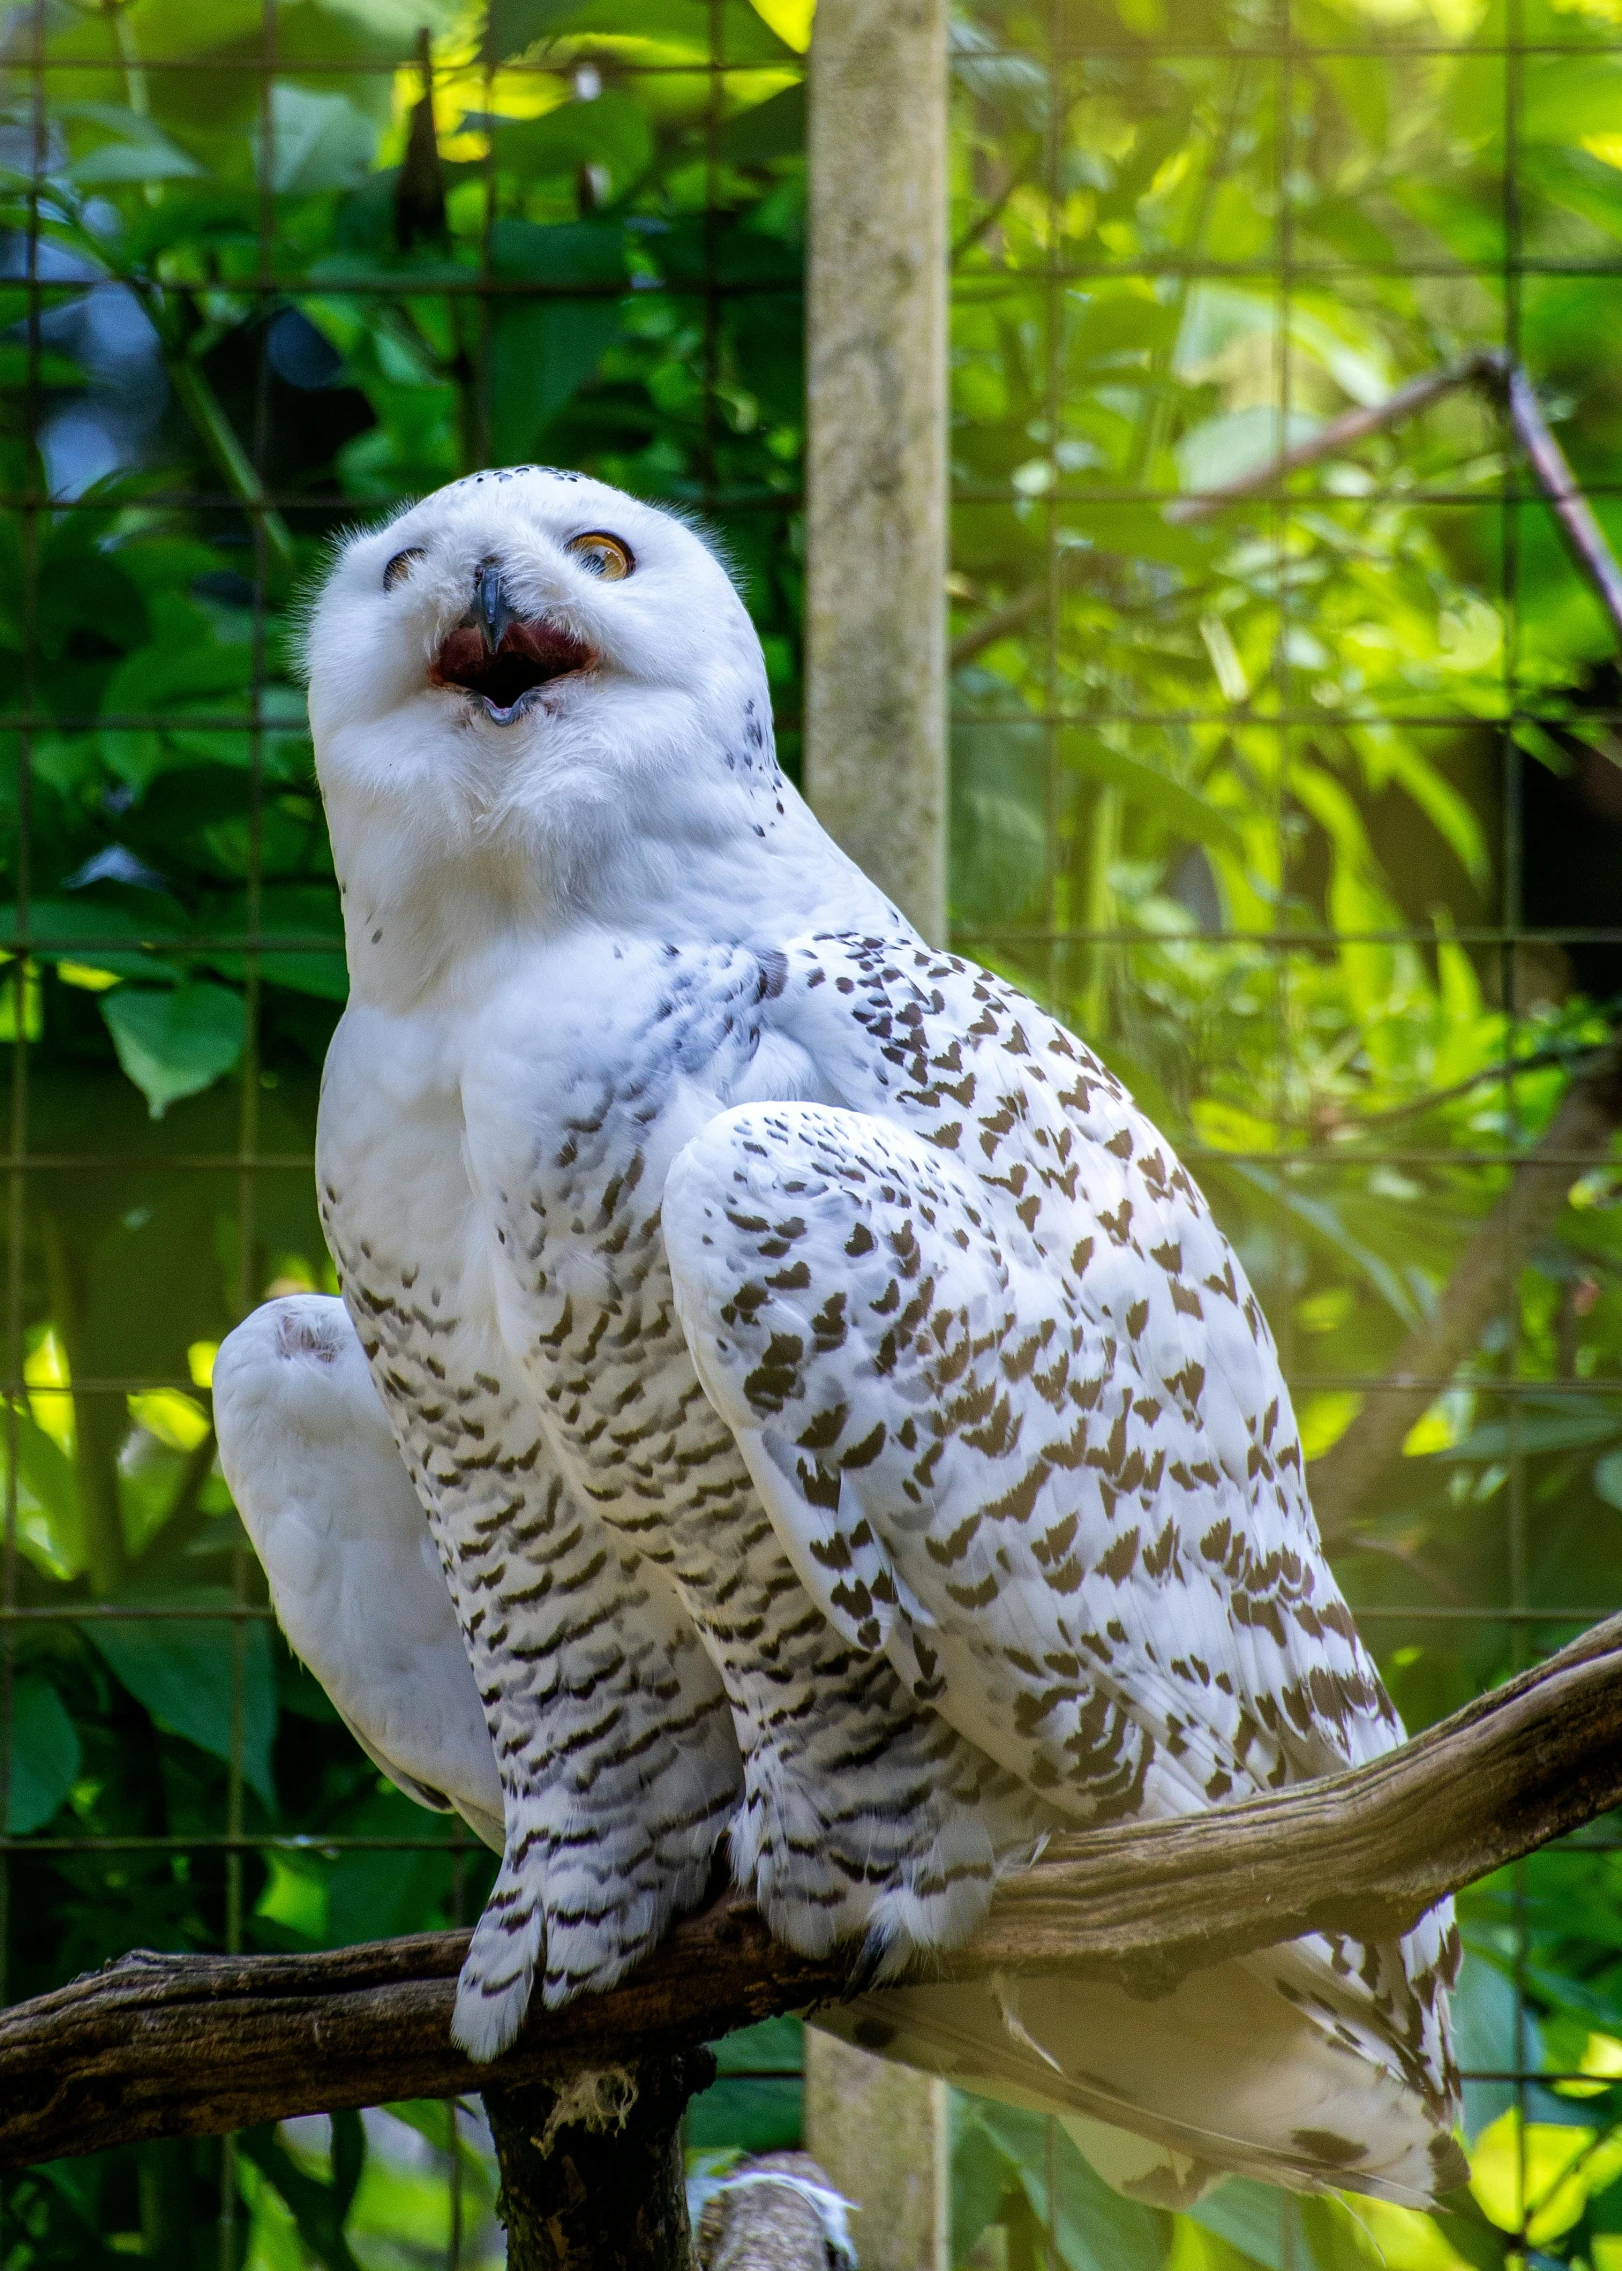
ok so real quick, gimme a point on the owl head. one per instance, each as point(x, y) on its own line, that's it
point(529, 667)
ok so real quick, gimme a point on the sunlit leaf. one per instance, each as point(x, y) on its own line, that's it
point(319, 141)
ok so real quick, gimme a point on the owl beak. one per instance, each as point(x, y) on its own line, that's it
point(490, 613)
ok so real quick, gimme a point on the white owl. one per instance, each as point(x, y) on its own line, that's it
point(842, 1427)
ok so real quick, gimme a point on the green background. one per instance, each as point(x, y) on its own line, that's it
point(1303, 815)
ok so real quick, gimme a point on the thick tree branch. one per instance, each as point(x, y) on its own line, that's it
point(1343, 1481)
point(169, 2045)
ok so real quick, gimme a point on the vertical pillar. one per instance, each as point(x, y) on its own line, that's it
point(875, 620)
point(881, 2132)
point(875, 740)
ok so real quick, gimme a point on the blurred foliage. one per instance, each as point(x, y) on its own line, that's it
point(270, 302)
point(1373, 713)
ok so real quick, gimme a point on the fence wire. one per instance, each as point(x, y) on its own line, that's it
point(1301, 814)
point(265, 271)
point(1329, 891)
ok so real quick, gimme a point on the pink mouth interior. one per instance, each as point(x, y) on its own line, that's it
point(530, 655)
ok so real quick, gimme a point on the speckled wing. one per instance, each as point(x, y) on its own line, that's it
point(355, 1582)
point(965, 1461)
point(1019, 1422)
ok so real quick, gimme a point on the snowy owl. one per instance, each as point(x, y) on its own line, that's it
point(841, 1426)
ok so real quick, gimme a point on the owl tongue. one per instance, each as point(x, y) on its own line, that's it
point(531, 654)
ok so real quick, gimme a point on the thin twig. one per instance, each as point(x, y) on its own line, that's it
point(1333, 440)
point(1503, 379)
point(1558, 1055)
point(1488, 368)
point(1012, 615)
point(1559, 484)
point(1344, 1480)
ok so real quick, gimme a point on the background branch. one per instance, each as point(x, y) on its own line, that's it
point(1343, 1481)
point(1505, 381)
point(160, 2045)
point(1493, 372)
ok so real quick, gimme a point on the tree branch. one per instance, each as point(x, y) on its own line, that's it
point(1496, 374)
point(160, 2045)
point(1344, 1479)
point(1342, 434)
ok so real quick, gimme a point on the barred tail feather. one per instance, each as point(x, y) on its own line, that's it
point(1224, 2074)
point(492, 1994)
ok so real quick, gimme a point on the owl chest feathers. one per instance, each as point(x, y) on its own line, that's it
point(512, 1164)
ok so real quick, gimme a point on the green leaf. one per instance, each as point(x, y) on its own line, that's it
point(772, 2046)
point(679, 25)
point(183, 1672)
point(1572, 96)
point(133, 161)
point(567, 252)
point(45, 1755)
point(982, 2171)
point(1322, 1220)
point(50, 1525)
point(307, 915)
point(612, 131)
point(543, 350)
point(372, 1893)
point(1249, 2216)
point(1094, 2228)
point(320, 141)
point(93, 928)
point(176, 1043)
point(1227, 448)
point(318, 2208)
point(1183, 808)
point(185, 660)
point(140, 152)
point(1549, 1427)
point(756, 2103)
point(760, 2115)
point(772, 129)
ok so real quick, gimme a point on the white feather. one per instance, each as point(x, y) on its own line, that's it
point(1017, 1533)
point(354, 1580)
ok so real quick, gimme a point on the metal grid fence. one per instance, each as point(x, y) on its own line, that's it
point(1277, 871)
point(1335, 895)
point(267, 270)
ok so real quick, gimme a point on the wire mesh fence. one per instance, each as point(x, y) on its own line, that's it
point(1302, 811)
point(1300, 806)
point(266, 270)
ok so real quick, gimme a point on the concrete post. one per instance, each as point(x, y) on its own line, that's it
point(882, 2133)
point(875, 628)
point(875, 741)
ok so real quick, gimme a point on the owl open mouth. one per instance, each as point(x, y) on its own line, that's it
point(530, 655)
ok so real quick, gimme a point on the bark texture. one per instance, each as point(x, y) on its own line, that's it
point(755, 2225)
point(591, 2169)
point(164, 2046)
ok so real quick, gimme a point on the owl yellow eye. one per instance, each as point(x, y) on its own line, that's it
point(400, 566)
point(602, 555)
